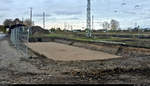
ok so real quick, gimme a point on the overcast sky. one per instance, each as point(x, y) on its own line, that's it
point(73, 12)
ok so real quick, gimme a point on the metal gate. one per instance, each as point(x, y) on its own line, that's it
point(19, 38)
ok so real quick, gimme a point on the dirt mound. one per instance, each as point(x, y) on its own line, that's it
point(37, 30)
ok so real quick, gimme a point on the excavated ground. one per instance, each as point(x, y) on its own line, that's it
point(64, 52)
point(17, 69)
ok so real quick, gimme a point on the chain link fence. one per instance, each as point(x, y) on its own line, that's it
point(19, 38)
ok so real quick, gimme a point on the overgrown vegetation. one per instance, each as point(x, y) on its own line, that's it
point(135, 36)
point(2, 29)
point(103, 37)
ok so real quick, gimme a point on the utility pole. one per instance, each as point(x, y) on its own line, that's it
point(22, 20)
point(71, 27)
point(43, 20)
point(68, 26)
point(31, 16)
point(92, 23)
point(65, 26)
point(89, 18)
point(135, 24)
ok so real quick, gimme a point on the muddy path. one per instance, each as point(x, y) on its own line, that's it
point(38, 70)
point(120, 71)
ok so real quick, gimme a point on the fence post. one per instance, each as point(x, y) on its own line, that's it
point(20, 37)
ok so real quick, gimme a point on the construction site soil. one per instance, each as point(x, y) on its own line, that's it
point(108, 47)
point(63, 52)
point(130, 69)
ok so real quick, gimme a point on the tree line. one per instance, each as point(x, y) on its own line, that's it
point(113, 25)
point(8, 23)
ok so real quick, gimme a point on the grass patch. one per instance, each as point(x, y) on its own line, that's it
point(128, 41)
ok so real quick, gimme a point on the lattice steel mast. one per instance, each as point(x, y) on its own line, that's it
point(43, 20)
point(89, 18)
point(31, 16)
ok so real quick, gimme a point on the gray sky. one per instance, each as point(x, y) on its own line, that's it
point(73, 12)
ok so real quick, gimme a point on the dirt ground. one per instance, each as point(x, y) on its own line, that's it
point(38, 70)
point(64, 52)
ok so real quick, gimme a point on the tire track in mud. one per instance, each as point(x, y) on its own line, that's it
point(111, 74)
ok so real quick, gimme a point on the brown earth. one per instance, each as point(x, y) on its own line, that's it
point(116, 49)
point(62, 52)
point(38, 70)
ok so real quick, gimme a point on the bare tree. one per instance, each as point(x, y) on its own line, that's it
point(106, 25)
point(27, 22)
point(17, 21)
point(114, 24)
point(8, 22)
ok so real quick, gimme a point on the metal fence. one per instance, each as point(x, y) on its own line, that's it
point(19, 38)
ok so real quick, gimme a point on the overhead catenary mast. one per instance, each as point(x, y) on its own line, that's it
point(22, 20)
point(65, 26)
point(89, 18)
point(71, 27)
point(43, 20)
point(31, 16)
point(92, 23)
